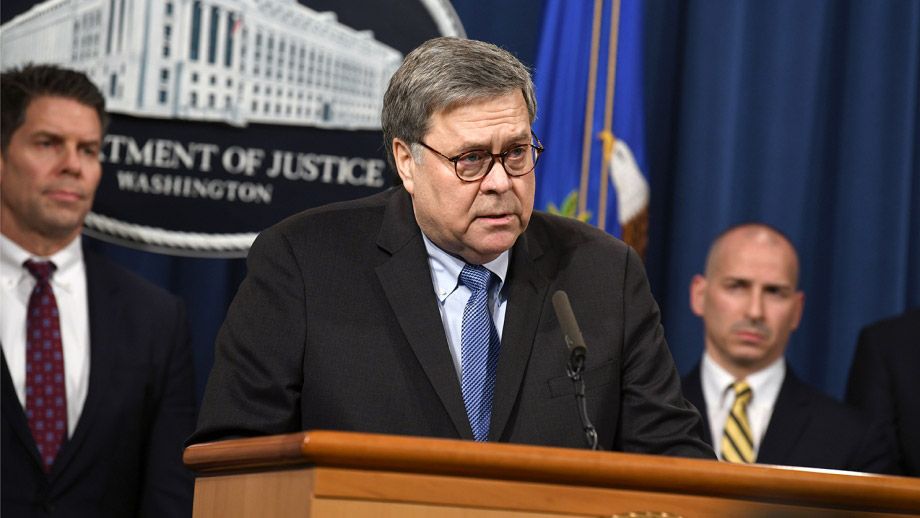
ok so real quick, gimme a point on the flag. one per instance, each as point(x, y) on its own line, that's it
point(588, 78)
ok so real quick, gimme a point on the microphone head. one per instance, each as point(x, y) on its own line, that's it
point(570, 329)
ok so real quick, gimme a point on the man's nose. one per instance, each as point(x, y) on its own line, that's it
point(72, 160)
point(755, 306)
point(496, 179)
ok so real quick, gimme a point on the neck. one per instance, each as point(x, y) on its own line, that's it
point(739, 372)
point(36, 244)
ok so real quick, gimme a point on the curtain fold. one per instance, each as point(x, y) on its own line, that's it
point(803, 115)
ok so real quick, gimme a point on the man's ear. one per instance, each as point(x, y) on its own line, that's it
point(405, 163)
point(698, 294)
point(799, 308)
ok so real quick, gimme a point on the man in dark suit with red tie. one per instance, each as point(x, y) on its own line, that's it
point(97, 379)
point(885, 381)
point(756, 408)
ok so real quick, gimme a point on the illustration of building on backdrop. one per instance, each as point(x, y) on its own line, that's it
point(236, 61)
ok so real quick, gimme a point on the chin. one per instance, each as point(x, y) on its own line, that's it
point(751, 361)
point(497, 247)
point(62, 227)
point(747, 354)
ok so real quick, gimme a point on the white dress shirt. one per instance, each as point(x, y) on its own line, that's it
point(453, 296)
point(717, 390)
point(69, 286)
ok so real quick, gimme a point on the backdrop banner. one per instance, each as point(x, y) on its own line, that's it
point(227, 115)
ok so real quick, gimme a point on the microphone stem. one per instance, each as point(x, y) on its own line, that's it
point(574, 369)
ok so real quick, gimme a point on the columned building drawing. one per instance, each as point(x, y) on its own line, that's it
point(236, 61)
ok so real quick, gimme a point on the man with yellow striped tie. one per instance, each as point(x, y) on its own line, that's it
point(756, 407)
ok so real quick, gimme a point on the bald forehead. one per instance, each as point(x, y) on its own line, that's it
point(752, 236)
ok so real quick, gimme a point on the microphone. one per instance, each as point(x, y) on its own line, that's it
point(570, 330)
point(575, 343)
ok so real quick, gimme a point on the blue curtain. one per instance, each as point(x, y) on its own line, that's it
point(801, 114)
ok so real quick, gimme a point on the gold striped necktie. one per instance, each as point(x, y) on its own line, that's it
point(737, 439)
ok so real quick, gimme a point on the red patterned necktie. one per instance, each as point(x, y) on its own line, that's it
point(46, 397)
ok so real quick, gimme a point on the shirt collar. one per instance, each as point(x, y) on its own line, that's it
point(765, 383)
point(67, 260)
point(446, 268)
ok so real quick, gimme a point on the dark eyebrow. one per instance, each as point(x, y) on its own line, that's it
point(57, 137)
point(47, 134)
point(514, 141)
point(779, 288)
point(775, 288)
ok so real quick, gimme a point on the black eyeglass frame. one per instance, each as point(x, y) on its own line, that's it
point(538, 147)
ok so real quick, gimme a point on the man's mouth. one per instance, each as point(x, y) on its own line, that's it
point(496, 218)
point(747, 335)
point(750, 336)
point(64, 195)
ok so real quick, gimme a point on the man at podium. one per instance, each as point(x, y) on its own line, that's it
point(426, 309)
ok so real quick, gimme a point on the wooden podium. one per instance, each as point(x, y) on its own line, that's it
point(345, 474)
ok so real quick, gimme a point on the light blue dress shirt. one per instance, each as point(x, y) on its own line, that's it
point(453, 296)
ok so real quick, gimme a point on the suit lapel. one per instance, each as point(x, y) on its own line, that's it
point(14, 414)
point(104, 335)
point(406, 280)
point(526, 299)
point(791, 417)
point(693, 391)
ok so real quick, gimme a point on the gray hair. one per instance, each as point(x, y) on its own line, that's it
point(442, 73)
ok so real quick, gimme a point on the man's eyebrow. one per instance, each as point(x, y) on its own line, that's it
point(47, 134)
point(477, 146)
point(785, 288)
point(774, 286)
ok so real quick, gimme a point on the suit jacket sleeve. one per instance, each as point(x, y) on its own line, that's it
point(876, 451)
point(870, 389)
point(655, 416)
point(254, 386)
point(869, 386)
point(169, 484)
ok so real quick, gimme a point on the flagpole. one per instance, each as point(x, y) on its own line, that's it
point(589, 109)
point(607, 135)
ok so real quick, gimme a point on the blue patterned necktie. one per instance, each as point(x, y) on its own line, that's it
point(46, 396)
point(479, 346)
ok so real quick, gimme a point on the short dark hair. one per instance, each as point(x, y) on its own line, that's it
point(20, 86)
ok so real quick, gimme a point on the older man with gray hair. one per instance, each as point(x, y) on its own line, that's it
point(426, 309)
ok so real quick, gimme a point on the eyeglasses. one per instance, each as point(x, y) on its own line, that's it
point(518, 160)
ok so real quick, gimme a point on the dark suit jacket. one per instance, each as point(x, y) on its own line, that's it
point(337, 327)
point(885, 380)
point(124, 458)
point(810, 429)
